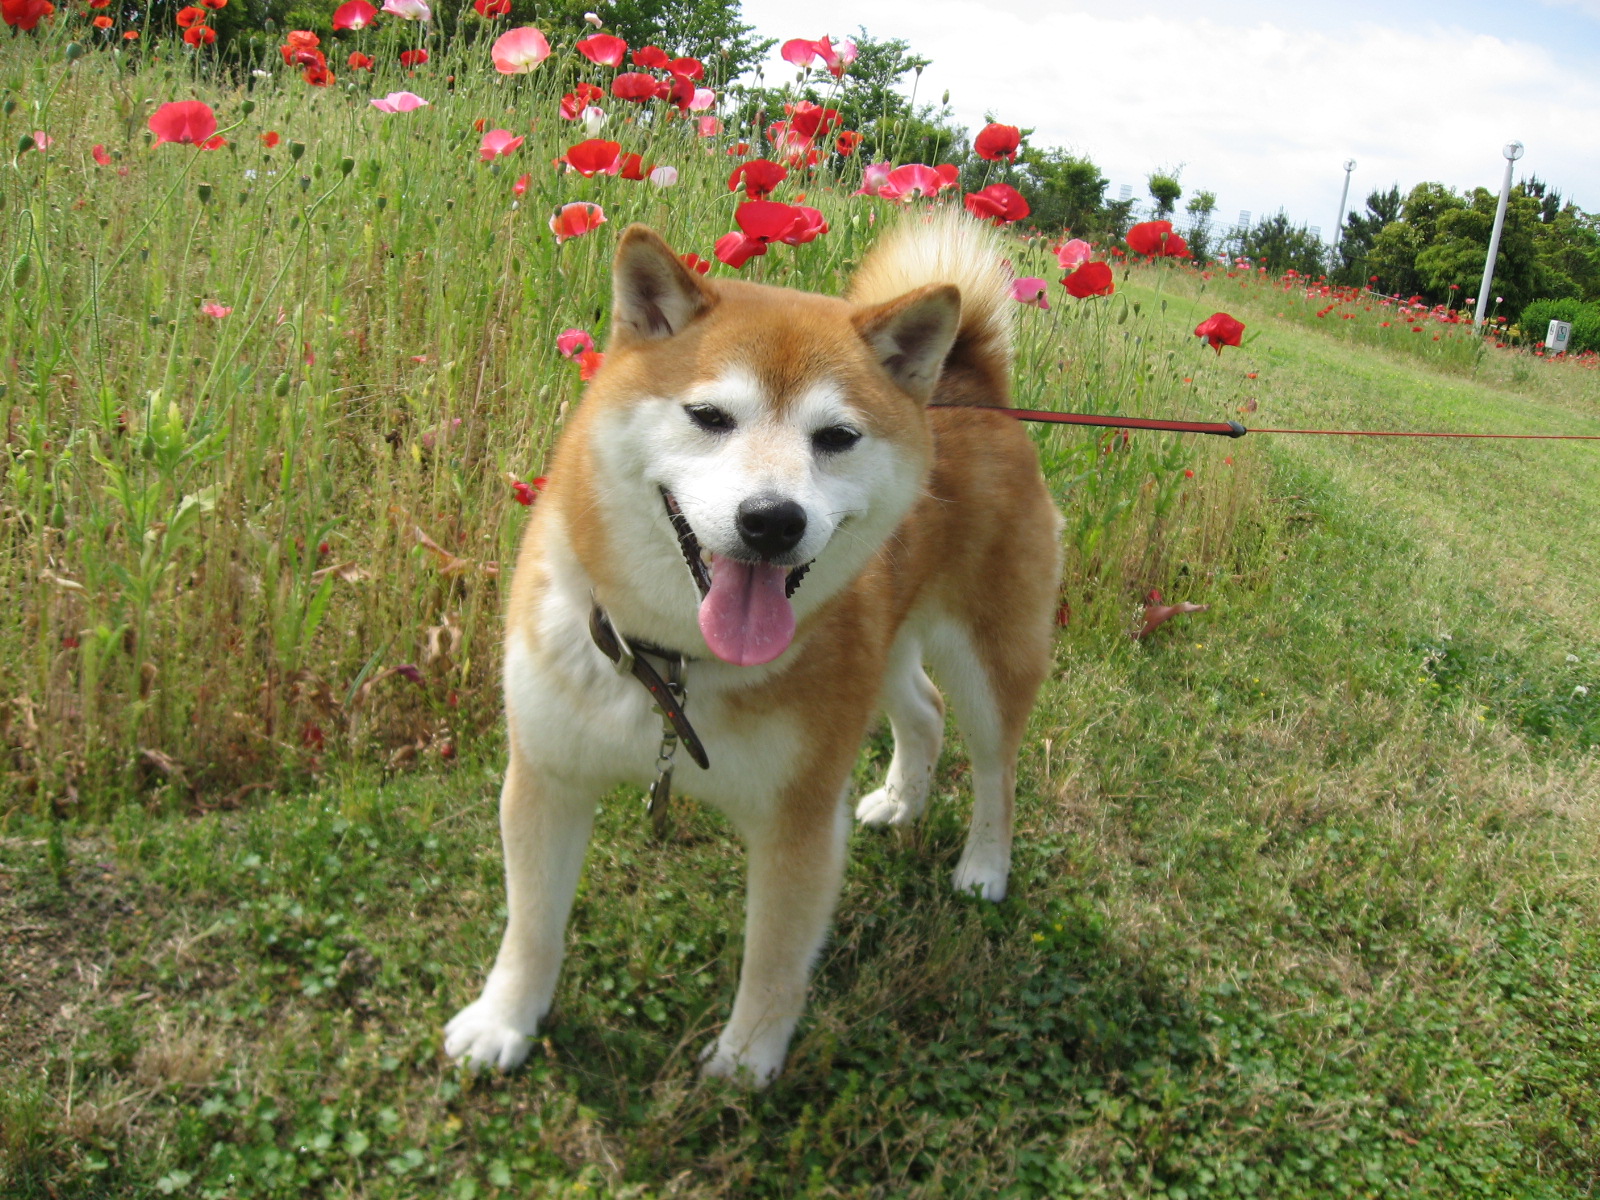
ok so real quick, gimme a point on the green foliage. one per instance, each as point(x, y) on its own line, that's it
point(1278, 244)
point(1064, 191)
point(1360, 234)
point(1584, 318)
point(1202, 205)
point(1164, 190)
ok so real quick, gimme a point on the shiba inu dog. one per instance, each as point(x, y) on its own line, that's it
point(787, 502)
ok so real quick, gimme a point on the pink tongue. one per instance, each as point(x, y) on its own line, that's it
point(745, 617)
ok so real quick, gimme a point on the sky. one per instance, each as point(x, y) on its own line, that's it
point(1260, 103)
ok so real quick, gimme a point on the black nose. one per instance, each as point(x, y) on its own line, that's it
point(770, 526)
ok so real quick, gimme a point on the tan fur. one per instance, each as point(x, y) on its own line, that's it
point(956, 565)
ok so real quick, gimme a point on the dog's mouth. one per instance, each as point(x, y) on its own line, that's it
point(745, 614)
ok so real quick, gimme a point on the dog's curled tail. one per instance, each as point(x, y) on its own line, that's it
point(954, 248)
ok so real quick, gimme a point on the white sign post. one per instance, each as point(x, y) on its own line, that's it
point(1559, 335)
point(1512, 152)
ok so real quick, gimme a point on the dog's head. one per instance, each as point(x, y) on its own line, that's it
point(763, 441)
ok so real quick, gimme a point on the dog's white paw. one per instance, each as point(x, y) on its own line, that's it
point(985, 880)
point(750, 1068)
point(884, 807)
point(480, 1036)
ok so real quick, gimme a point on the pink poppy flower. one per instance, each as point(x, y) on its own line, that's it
point(664, 176)
point(873, 177)
point(1030, 289)
point(354, 14)
point(703, 99)
point(595, 157)
point(498, 143)
point(709, 127)
point(570, 341)
point(214, 310)
point(408, 10)
point(575, 220)
point(603, 49)
point(190, 122)
point(911, 181)
point(801, 52)
point(399, 102)
point(1219, 330)
point(42, 140)
point(1074, 254)
point(520, 187)
point(519, 51)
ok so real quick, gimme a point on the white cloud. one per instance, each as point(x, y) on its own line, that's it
point(1260, 113)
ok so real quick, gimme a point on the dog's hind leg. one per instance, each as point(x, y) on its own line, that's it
point(545, 826)
point(916, 718)
point(991, 687)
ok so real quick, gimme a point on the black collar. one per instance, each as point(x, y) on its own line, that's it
point(627, 655)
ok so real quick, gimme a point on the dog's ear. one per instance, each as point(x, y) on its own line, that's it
point(653, 295)
point(912, 335)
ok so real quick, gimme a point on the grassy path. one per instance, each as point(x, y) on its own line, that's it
point(1305, 905)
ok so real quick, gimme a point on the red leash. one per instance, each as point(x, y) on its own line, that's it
point(1233, 429)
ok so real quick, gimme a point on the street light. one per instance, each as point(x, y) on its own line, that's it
point(1512, 152)
point(1338, 226)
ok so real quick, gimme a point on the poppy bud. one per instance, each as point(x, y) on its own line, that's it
point(10, 106)
point(204, 191)
point(73, 52)
point(305, 183)
point(247, 107)
point(346, 165)
point(296, 149)
point(25, 143)
point(280, 388)
point(20, 272)
point(383, 202)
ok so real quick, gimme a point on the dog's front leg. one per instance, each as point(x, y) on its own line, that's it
point(545, 826)
point(796, 865)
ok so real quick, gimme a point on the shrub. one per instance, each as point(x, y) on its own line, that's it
point(1585, 318)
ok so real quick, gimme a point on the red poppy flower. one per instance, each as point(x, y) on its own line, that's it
point(190, 122)
point(595, 157)
point(361, 62)
point(1219, 330)
point(520, 187)
point(996, 142)
point(635, 86)
point(131, 35)
point(1091, 279)
point(99, 3)
point(910, 181)
point(589, 362)
point(575, 220)
point(270, 138)
point(760, 177)
point(811, 120)
point(678, 91)
point(200, 35)
point(999, 202)
point(100, 156)
point(25, 14)
point(603, 49)
point(413, 58)
point(687, 68)
point(574, 102)
point(300, 49)
point(218, 4)
point(526, 493)
point(318, 75)
point(848, 141)
point(652, 58)
point(191, 16)
point(1155, 239)
point(634, 167)
point(695, 263)
point(354, 14)
point(103, 22)
point(489, 9)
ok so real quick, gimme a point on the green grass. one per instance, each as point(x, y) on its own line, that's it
point(1304, 901)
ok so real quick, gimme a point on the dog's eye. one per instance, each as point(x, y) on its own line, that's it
point(835, 438)
point(709, 417)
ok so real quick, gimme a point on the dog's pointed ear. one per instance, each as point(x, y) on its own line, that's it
point(912, 335)
point(653, 295)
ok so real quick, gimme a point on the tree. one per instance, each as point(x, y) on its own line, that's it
point(1279, 245)
point(1064, 191)
point(1200, 208)
point(1164, 190)
point(1361, 233)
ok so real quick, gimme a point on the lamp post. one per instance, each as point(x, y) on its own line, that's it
point(1338, 226)
point(1512, 151)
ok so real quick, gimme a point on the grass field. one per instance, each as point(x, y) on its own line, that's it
point(1304, 901)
